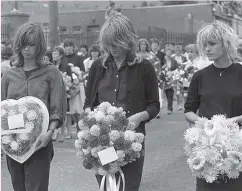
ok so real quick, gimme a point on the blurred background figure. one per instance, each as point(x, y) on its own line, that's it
point(155, 48)
point(6, 54)
point(143, 49)
point(57, 55)
point(93, 55)
point(180, 59)
point(47, 59)
point(170, 65)
point(83, 52)
point(194, 59)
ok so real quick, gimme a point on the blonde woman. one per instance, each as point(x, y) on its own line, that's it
point(125, 81)
point(216, 89)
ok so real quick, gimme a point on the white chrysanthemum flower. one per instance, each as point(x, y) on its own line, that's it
point(14, 145)
point(192, 135)
point(31, 115)
point(104, 107)
point(78, 144)
point(6, 139)
point(3, 112)
point(29, 126)
point(211, 127)
point(136, 146)
point(11, 113)
point(129, 135)
point(111, 110)
point(22, 109)
point(95, 130)
point(114, 135)
point(24, 136)
point(87, 151)
point(218, 118)
point(99, 115)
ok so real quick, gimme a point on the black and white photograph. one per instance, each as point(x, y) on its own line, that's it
point(121, 95)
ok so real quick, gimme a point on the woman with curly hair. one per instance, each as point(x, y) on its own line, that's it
point(32, 77)
point(216, 89)
point(124, 80)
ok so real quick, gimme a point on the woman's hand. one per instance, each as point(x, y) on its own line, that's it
point(139, 117)
point(44, 140)
point(88, 110)
point(136, 119)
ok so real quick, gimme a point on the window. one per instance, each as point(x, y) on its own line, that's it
point(76, 28)
point(63, 29)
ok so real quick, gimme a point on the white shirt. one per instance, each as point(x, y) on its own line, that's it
point(199, 63)
point(87, 64)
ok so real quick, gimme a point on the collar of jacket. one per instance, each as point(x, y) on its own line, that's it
point(131, 59)
point(35, 72)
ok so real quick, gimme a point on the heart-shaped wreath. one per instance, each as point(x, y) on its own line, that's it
point(23, 122)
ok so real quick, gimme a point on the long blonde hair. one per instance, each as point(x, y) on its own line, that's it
point(21, 40)
point(220, 32)
point(118, 31)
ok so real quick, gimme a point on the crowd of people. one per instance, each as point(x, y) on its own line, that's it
point(123, 70)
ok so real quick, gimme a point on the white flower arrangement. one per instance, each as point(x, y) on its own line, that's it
point(214, 148)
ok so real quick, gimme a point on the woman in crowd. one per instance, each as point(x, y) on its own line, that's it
point(47, 59)
point(94, 55)
point(29, 78)
point(170, 65)
point(210, 91)
point(57, 55)
point(76, 100)
point(6, 55)
point(145, 53)
point(126, 81)
point(180, 59)
point(144, 49)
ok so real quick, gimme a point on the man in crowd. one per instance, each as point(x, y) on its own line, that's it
point(155, 48)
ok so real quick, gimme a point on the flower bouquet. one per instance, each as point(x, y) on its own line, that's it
point(23, 122)
point(214, 149)
point(106, 142)
point(67, 81)
point(166, 78)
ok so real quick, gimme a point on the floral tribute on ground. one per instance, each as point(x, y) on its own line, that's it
point(23, 122)
point(214, 149)
point(107, 127)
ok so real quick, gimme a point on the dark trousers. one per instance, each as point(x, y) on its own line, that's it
point(132, 174)
point(169, 95)
point(33, 174)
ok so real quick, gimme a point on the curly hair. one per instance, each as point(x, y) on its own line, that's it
point(147, 49)
point(21, 41)
point(220, 32)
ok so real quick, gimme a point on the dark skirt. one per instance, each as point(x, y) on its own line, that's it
point(223, 185)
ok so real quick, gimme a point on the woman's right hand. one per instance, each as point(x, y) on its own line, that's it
point(88, 110)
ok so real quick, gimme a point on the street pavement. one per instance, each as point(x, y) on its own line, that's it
point(165, 166)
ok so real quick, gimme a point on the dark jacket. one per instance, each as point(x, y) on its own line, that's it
point(142, 88)
point(75, 60)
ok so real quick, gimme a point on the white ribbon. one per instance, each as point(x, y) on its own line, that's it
point(111, 184)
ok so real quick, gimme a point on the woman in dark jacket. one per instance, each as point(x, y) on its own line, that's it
point(125, 81)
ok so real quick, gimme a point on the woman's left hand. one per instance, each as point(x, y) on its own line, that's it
point(44, 140)
point(136, 118)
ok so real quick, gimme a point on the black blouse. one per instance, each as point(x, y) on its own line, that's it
point(210, 94)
